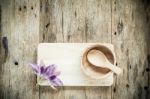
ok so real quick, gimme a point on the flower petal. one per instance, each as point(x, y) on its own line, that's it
point(52, 86)
point(56, 73)
point(42, 69)
point(35, 68)
point(52, 77)
point(56, 82)
point(49, 70)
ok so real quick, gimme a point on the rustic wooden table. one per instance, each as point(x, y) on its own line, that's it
point(26, 23)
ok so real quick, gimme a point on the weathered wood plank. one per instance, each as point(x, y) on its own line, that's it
point(74, 21)
point(20, 24)
point(98, 20)
point(74, 31)
point(50, 30)
point(130, 29)
point(98, 29)
point(4, 67)
point(62, 21)
point(74, 13)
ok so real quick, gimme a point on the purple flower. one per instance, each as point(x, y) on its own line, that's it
point(48, 72)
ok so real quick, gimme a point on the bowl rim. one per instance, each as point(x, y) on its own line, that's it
point(88, 72)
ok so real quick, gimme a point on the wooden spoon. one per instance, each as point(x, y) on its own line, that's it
point(97, 58)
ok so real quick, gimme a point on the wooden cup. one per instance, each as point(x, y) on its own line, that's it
point(90, 69)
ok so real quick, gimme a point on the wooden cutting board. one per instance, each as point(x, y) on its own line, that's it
point(67, 56)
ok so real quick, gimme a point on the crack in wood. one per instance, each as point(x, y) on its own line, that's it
point(120, 27)
point(20, 8)
point(5, 46)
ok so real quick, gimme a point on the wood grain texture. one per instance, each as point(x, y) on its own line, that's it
point(98, 29)
point(56, 22)
point(4, 68)
point(25, 23)
point(51, 23)
point(17, 80)
point(130, 28)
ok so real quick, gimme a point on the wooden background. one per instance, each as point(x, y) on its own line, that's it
point(26, 23)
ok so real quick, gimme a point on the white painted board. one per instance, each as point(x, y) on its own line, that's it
point(67, 56)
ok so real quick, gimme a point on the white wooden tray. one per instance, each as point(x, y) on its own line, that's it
point(67, 56)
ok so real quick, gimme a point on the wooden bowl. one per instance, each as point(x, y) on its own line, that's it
point(94, 71)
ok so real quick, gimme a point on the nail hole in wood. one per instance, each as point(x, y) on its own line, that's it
point(115, 33)
point(31, 7)
point(114, 89)
point(19, 8)
point(75, 13)
point(148, 57)
point(147, 69)
point(116, 63)
point(47, 25)
point(24, 7)
point(127, 85)
point(15, 62)
point(146, 88)
point(130, 66)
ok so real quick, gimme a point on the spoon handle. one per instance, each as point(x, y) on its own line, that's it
point(114, 68)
